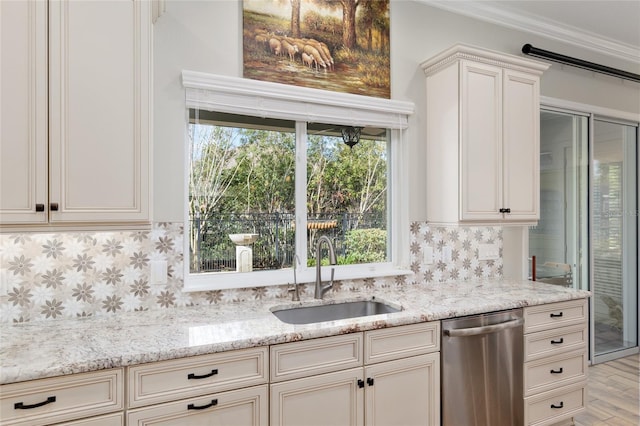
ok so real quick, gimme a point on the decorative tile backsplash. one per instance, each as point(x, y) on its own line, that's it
point(455, 251)
point(68, 274)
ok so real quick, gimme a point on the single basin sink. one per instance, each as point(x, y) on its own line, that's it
point(337, 311)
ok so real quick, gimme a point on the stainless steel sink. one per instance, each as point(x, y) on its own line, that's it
point(332, 312)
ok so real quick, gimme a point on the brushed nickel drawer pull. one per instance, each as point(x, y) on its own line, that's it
point(23, 406)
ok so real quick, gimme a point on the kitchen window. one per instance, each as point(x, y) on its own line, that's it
point(269, 172)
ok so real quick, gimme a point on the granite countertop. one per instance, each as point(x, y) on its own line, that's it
point(58, 347)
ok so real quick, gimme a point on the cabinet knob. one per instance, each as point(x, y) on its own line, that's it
point(39, 207)
point(503, 210)
point(53, 207)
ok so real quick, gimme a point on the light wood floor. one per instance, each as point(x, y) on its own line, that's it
point(613, 397)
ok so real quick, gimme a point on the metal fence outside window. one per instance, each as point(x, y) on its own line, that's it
point(275, 246)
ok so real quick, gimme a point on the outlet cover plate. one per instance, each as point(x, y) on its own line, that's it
point(488, 252)
point(158, 272)
point(428, 255)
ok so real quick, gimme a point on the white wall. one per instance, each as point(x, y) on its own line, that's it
point(207, 36)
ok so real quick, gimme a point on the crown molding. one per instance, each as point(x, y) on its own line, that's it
point(460, 52)
point(238, 95)
point(532, 24)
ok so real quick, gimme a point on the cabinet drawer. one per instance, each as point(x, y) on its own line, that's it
point(108, 420)
point(552, 342)
point(61, 399)
point(552, 407)
point(554, 315)
point(246, 407)
point(554, 372)
point(401, 342)
point(182, 378)
point(317, 356)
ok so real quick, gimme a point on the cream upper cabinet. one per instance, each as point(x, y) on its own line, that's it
point(482, 155)
point(90, 62)
point(23, 112)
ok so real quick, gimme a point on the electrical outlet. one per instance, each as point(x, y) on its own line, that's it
point(427, 254)
point(158, 274)
point(488, 252)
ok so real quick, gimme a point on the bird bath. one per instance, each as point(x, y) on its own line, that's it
point(244, 252)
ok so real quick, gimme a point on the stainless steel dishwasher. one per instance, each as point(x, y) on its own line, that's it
point(482, 359)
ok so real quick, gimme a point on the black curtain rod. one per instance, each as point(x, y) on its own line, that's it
point(528, 49)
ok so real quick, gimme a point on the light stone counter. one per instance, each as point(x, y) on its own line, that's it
point(57, 347)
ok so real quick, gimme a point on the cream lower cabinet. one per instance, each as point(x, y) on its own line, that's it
point(403, 392)
point(381, 377)
point(95, 399)
point(327, 399)
point(108, 420)
point(555, 368)
point(243, 407)
point(482, 144)
point(75, 110)
point(228, 388)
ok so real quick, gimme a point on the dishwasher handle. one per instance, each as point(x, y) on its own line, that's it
point(485, 329)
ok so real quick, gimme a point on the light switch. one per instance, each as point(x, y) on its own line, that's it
point(446, 254)
point(427, 253)
point(488, 252)
point(158, 272)
point(4, 282)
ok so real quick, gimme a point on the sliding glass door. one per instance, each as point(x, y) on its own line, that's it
point(560, 241)
point(614, 236)
point(587, 236)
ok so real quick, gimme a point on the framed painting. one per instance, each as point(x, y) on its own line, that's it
point(325, 44)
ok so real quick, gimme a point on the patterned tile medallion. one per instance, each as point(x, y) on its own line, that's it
point(67, 275)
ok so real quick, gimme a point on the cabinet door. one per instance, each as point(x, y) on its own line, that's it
point(521, 146)
point(326, 399)
point(404, 392)
point(481, 142)
point(243, 407)
point(99, 104)
point(23, 111)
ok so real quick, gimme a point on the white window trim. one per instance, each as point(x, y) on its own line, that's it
point(301, 104)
